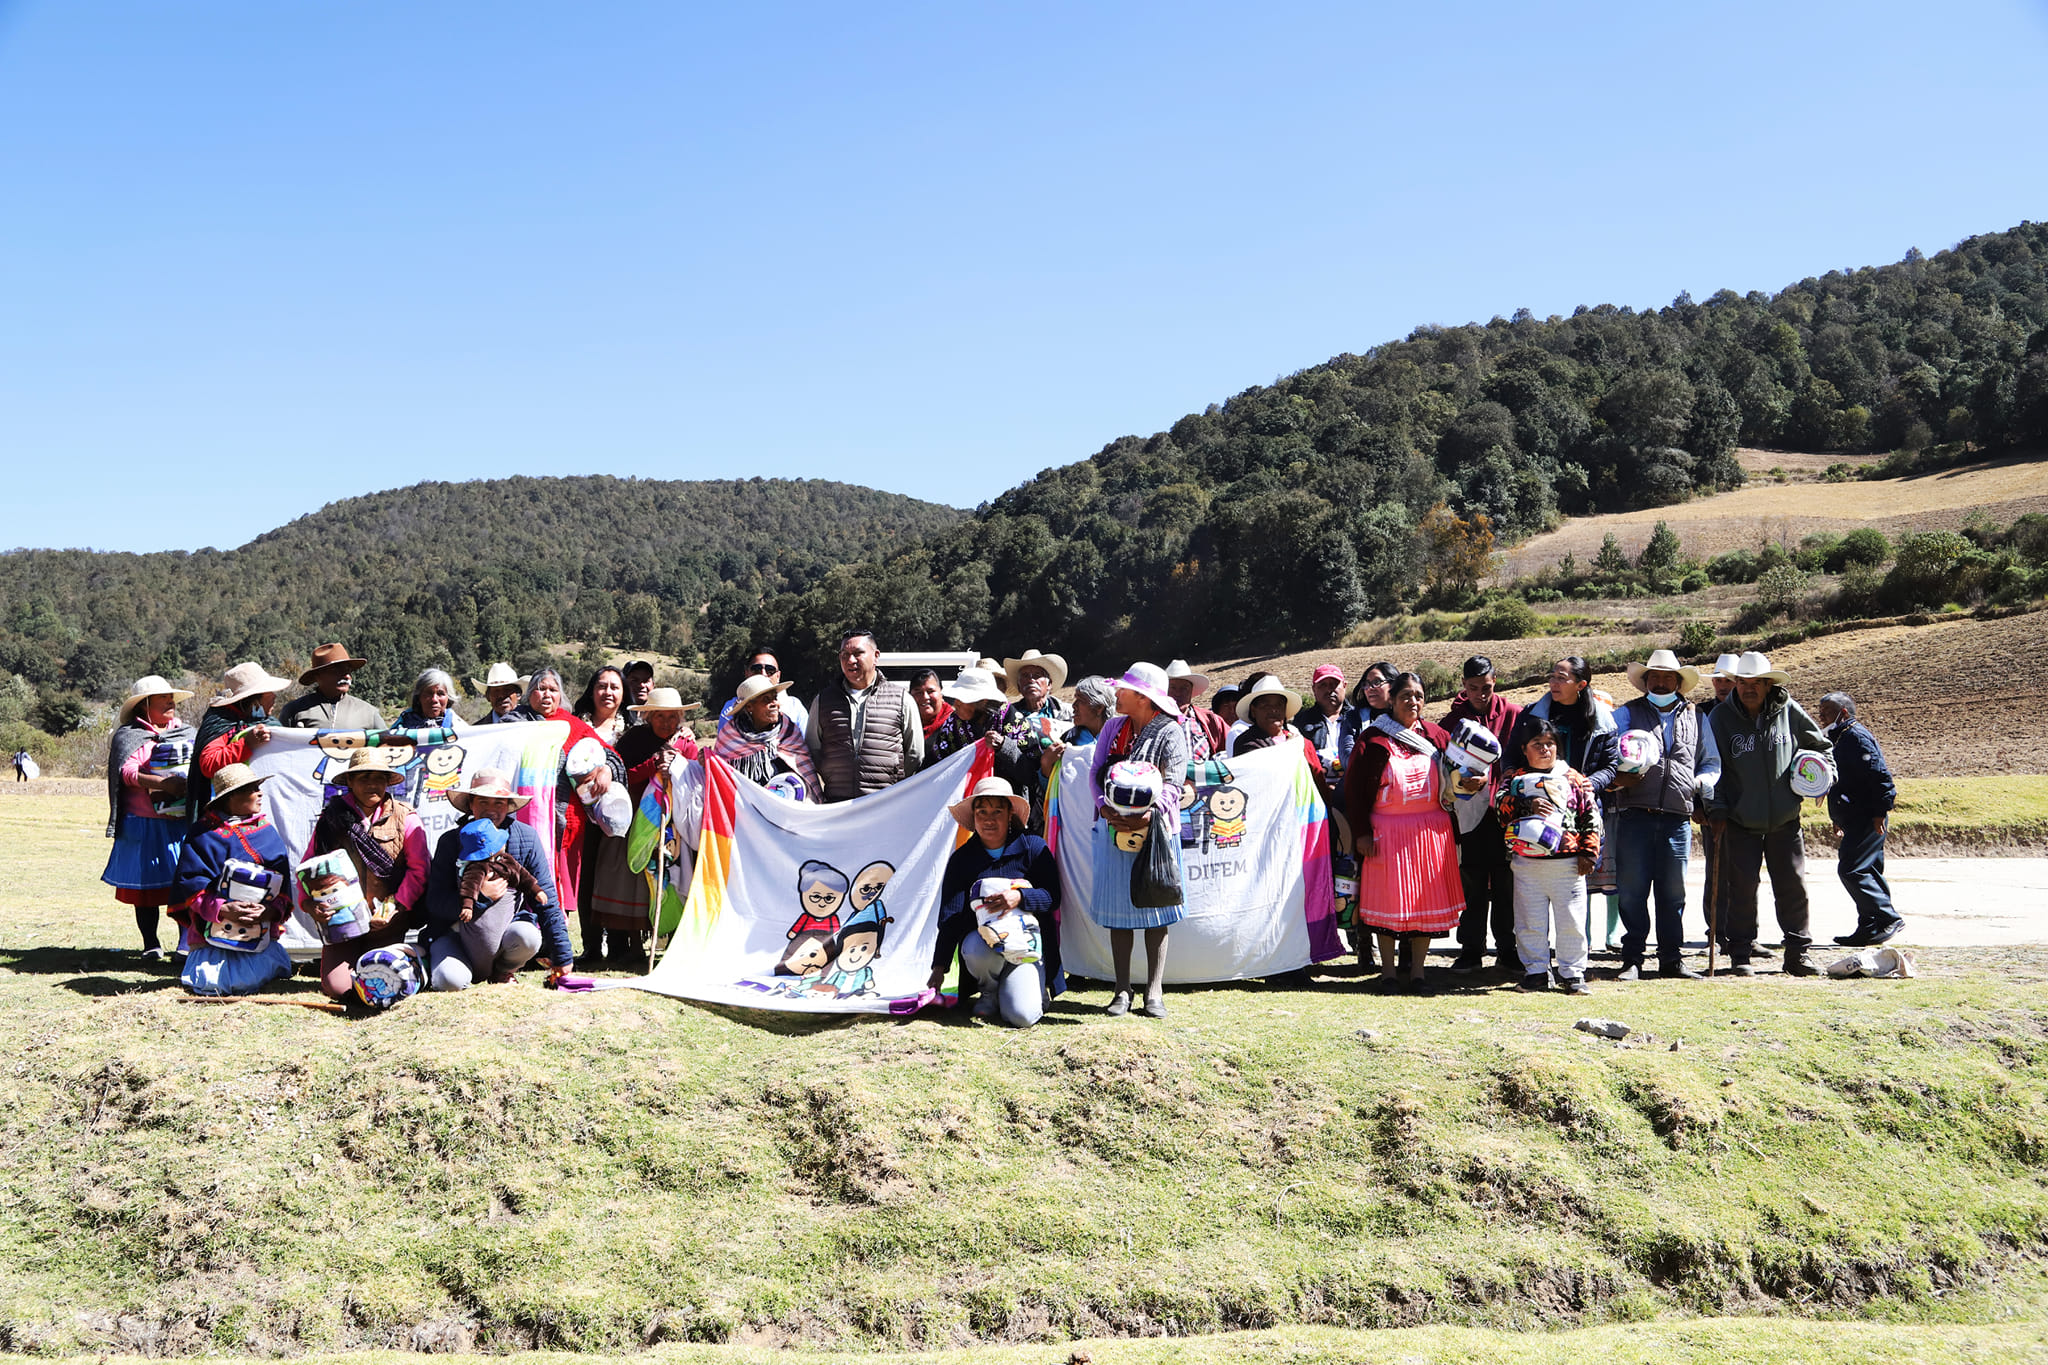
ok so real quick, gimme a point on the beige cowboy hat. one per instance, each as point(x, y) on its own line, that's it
point(1053, 664)
point(1665, 661)
point(1179, 669)
point(1723, 667)
point(751, 688)
point(973, 684)
point(143, 690)
point(330, 656)
point(501, 675)
point(244, 681)
point(232, 779)
point(1753, 667)
point(668, 699)
point(1267, 685)
point(486, 782)
point(963, 810)
point(369, 761)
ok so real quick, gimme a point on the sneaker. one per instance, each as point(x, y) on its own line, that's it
point(1678, 971)
point(1889, 931)
point(1578, 985)
point(1469, 962)
point(1535, 981)
point(1630, 971)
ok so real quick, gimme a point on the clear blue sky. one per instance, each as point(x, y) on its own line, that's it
point(258, 256)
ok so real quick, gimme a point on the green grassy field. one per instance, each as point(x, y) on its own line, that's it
point(1954, 814)
point(1852, 1170)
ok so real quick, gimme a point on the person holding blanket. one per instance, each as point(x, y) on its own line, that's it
point(618, 896)
point(234, 892)
point(1146, 729)
point(1483, 864)
point(1002, 869)
point(761, 743)
point(1760, 734)
point(506, 929)
point(146, 811)
point(383, 840)
point(1550, 819)
point(1651, 830)
point(1399, 807)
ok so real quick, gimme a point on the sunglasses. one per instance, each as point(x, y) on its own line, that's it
point(767, 670)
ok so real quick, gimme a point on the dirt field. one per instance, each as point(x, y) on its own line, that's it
point(1765, 510)
point(1951, 699)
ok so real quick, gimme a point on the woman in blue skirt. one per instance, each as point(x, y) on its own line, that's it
point(147, 762)
point(1145, 729)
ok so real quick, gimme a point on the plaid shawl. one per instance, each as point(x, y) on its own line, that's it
point(752, 755)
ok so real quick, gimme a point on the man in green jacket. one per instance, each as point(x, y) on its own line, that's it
point(1753, 811)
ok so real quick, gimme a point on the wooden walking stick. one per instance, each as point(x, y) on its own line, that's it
point(1713, 896)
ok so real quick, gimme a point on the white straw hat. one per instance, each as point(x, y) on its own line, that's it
point(973, 684)
point(1666, 661)
point(143, 690)
point(1179, 669)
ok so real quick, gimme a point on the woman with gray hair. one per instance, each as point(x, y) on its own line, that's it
point(1094, 704)
point(433, 703)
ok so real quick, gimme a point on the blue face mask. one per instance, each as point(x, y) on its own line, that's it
point(257, 711)
point(1660, 700)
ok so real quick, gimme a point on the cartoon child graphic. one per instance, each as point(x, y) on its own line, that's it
point(855, 949)
point(807, 956)
point(444, 772)
point(821, 892)
point(870, 883)
point(1226, 816)
point(1194, 815)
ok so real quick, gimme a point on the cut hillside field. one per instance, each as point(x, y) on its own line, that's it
point(512, 1168)
point(1999, 490)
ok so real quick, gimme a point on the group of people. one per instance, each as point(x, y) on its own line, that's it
point(1499, 822)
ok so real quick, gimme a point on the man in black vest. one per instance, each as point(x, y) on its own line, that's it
point(863, 732)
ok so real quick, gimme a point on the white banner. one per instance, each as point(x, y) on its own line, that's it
point(301, 765)
point(1255, 852)
point(815, 908)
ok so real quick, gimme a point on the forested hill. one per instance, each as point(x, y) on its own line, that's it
point(1293, 511)
point(456, 574)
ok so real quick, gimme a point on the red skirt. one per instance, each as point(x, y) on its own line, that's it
point(1412, 885)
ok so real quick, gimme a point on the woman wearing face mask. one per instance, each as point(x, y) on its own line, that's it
point(236, 721)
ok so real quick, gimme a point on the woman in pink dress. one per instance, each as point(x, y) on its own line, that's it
point(1408, 888)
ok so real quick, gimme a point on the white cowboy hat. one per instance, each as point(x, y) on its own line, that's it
point(501, 675)
point(751, 688)
point(1267, 685)
point(1149, 682)
point(1053, 664)
point(1664, 659)
point(668, 699)
point(1754, 666)
point(973, 684)
point(244, 681)
point(1723, 667)
point(233, 778)
point(963, 810)
point(143, 690)
point(486, 782)
point(1179, 669)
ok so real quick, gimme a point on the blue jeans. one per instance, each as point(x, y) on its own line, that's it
point(1650, 850)
point(1862, 871)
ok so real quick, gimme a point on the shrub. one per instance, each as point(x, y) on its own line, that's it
point(1504, 618)
point(59, 714)
point(1860, 592)
point(1839, 472)
point(1864, 545)
point(1736, 566)
point(1780, 589)
point(1814, 550)
point(1695, 581)
point(1695, 638)
point(1925, 569)
point(1438, 680)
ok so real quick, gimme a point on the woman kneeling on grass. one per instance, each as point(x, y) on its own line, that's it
point(386, 845)
point(504, 928)
point(233, 885)
point(1550, 816)
point(999, 908)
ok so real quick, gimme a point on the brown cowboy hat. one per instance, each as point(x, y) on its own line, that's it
point(330, 656)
